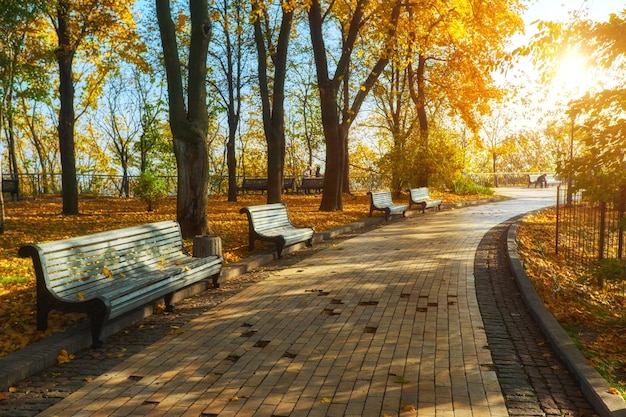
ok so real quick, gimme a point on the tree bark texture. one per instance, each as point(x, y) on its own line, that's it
point(65, 57)
point(189, 125)
point(273, 103)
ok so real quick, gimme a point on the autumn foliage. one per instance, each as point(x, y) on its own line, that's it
point(40, 220)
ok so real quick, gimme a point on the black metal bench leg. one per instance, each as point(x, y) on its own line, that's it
point(169, 307)
point(280, 244)
point(215, 279)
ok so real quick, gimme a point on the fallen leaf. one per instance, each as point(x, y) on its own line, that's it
point(106, 272)
point(408, 407)
point(13, 389)
point(64, 357)
point(325, 400)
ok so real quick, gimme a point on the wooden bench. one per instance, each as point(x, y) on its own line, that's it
point(309, 184)
point(261, 184)
point(289, 184)
point(550, 180)
point(381, 200)
point(10, 185)
point(108, 274)
point(421, 197)
point(271, 223)
point(253, 184)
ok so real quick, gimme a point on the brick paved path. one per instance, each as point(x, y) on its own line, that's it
point(533, 379)
point(384, 323)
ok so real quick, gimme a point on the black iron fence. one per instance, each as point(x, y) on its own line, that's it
point(113, 185)
point(591, 233)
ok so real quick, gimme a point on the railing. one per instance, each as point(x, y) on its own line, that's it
point(112, 185)
point(590, 233)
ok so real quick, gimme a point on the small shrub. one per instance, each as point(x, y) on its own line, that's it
point(466, 186)
point(151, 189)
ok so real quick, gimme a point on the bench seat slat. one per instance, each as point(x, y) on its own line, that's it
point(131, 278)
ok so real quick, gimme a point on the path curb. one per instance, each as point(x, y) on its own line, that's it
point(593, 385)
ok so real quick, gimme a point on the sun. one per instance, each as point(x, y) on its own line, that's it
point(574, 75)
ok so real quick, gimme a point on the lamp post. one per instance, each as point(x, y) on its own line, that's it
point(572, 114)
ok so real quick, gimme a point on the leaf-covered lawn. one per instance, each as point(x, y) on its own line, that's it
point(33, 221)
point(594, 317)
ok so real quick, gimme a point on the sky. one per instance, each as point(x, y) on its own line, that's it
point(560, 9)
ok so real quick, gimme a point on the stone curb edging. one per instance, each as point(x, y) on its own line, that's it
point(592, 384)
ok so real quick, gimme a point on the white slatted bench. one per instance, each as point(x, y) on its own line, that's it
point(381, 200)
point(421, 197)
point(108, 274)
point(270, 222)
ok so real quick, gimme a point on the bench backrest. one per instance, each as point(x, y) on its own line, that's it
point(419, 194)
point(313, 182)
point(267, 216)
point(71, 267)
point(533, 177)
point(289, 182)
point(381, 198)
point(254, 183)
point(9, 186)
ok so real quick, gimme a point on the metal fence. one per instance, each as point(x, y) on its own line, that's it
point(590, 232)
point(35, 185)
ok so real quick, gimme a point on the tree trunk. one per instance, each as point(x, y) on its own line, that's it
point(189, 126)
point(191, 202)
point(65, 56)
point(333, 173)
point(419, 99)
point(335, 129)
point(231, 162)
point(273, 104)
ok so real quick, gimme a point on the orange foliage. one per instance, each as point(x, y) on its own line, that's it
point(34, 221)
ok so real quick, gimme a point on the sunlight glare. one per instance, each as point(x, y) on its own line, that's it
point(574, 75)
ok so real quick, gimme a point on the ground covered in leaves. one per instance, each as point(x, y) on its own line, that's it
point(594, 315)
point(39, 220)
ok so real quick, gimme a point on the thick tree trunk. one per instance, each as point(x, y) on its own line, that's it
point(65, 57)
point(333, 174)
point(191, 199)
point(273, 103)
point(418, 95)
point(189, 126)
